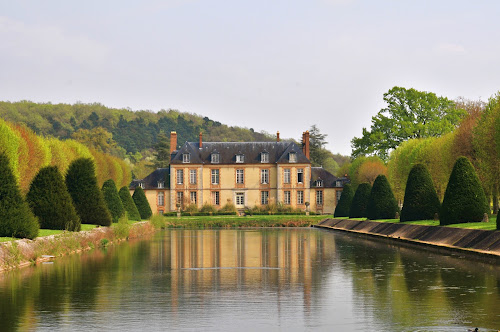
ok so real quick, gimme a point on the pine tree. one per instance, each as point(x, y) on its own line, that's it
point(50, 201)
point(112, 199)
point(142, 203)
point(344, 205)
point(128, 204)
point(382, 204)
point(162, 151)
point(421, 201)
point(82, 186)
point(464, 199)
point(16, 218)
point(360, 201)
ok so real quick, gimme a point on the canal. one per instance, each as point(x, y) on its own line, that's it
point(254, 279)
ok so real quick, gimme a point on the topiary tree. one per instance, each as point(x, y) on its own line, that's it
point(464, 199)
point(142, 203)
point(344, 205)
point(128, 204)
point(82, 186)
point(498, 221)
point(421, 201)
point(112, 199)
point(50, 201)
point(360, 201)
point(16, 218)
point(382, 204)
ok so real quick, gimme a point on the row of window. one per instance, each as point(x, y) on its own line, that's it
point(240, 158)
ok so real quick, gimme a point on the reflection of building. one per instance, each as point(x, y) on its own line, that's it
point(246, 174)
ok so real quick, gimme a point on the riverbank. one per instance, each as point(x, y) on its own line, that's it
point(473, 241)
point(202, 222)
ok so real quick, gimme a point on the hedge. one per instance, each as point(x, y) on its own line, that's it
point(360, 201)
point(345, 201)
point(382, 203)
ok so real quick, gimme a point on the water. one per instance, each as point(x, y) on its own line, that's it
point(248, 280)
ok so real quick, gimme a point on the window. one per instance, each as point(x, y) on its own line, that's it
point(180, 198)
point(319, 183)
point(264, 176)
point(300, 197)
point(286, 199)
point(192, 176)
point(160, 212)
point(215, 198)
point(319, 197)
point(192, 197)
point(338, 183)
point(215, 176)
point(339, 193)
point(240, 199)
point(141, 185)
point(215, 158)
point(300, 175)
point(292, 157)
point(240, 178)
point(264, 197)
point(286, 175)
point(161, 185)
point(180, 176)
point(264, 157)
point(240, 158)
point(186, 158)
point(161, 199)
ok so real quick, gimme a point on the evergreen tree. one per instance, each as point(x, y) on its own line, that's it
point(360, 201)
point(162, 151)
point(498, 221)
point(82, 186)
point(464, 199)
point(50, 201)
point(142, 203)
point(112, 199)
point(344, 205)
point(16, 218)
point(382, 204)
point(421, 201)
point(128, 204)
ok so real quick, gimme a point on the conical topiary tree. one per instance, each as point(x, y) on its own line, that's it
point(50, 201)
point(112, 199)
point(421, 201)
point(382, 204)
point(16, 218)
point(128, 204)
point(82, 186)
point(360, 201)
point(464, 198)
point(142, 203)
point(344, 205)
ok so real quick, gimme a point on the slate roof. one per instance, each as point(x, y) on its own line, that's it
point(329, 180)
point(151, 181)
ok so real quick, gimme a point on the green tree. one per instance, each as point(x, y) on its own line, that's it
point(16, 218)
point(382, 204)
point(409, 114)
point(50, 201)
point(498, 221)
point(344, 205)
point(128, 204)
point(142, 203)
point(82, 186)
point(162, 151)
point(464, 199)
point(112, 199)
point(317, 152)
point(421, 201)
point(360, 201)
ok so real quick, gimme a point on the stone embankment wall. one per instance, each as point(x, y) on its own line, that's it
point(470, 240)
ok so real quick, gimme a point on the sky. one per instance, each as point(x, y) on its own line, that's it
point(273, 65)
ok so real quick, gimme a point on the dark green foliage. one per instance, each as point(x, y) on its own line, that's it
point(142, 203)
point(50, 201)
point(345, 201)
point(16, 218)
point(112, 199)
point(360, 201)
point(382, 204)
point(82, 186)
point(464, 199)
point(128, 204)
point(421, 201)
point(498, 221)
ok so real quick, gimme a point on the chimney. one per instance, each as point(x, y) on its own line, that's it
point(303, 141)
point(278, 136)
point(201, 141)
point(306, 144)
point(173, 141)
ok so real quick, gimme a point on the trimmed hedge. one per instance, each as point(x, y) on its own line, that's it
point(142, 203)
point(360, 201)
point(464, 199)
point(382, 203)
point(50, 201)
point(345, 201)
point(112, 199)
point(128, 204)
point(421, 201)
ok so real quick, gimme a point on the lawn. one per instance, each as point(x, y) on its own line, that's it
point(489, 226)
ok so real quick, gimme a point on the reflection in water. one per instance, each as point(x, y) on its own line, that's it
point(285, 279)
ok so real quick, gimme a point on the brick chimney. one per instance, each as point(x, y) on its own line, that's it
point(201, 141)
point(173, 141)
point(278, 136)
point(306, 144)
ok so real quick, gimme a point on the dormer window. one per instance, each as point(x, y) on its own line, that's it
point(319, 183)
point(240, 158)
point(141, 185)
point(264, 157)
point(161, 185)
point(338, 183)
point(215, 158)
point(186, 158)
point(292, 157)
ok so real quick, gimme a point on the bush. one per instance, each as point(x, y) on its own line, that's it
point(122, 227)
point(345, 201)
point(50, 201)
point(112, 199)
point(142, 203)
point(464, 199)
point(16, 218)
point(421, 201)
point(208, 208)
point(82, 186)
point(228, 209)
point(360, 201)
point(498, 221)
point(128, 204)
point(381, 204)
point(192, 208)
point(158, 221)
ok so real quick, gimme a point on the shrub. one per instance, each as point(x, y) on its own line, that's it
point(421, 201)
point(128, 204)
point(112, 199)
point(16, 218)
point(208, 208)
point(360, 201)
point(229, 208)
point(142, 203)
point(50, 201)
point(82, 186)
point(158, 221)
point(498, 221)
point(464, 199)
point(344, 205)
point(192, 208)
point(122, 227)
point(381, 204)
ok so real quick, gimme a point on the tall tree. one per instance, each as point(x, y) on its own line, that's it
point(360, 201)
point(162, 151)
point(128, 204)
point(317, 141)
point(382, 204)
point(112, 199)
point(142, 203)
point(344, 205)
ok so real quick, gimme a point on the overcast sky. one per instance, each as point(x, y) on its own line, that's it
point(269, 65)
